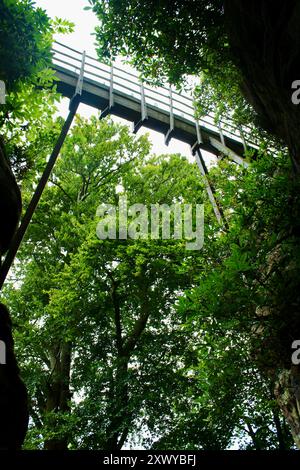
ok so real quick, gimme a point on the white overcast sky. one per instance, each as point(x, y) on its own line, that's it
point(85, 22)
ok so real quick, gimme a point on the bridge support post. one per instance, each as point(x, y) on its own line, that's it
point(37, 195)
point(209, 189)
point(18, 237)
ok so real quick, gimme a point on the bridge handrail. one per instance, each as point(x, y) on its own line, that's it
point(160, 95)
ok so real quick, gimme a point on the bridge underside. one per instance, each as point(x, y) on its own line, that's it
point(128, 107)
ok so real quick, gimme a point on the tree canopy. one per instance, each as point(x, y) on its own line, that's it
point(26, 34)
point(117, 343)
point(139, 341)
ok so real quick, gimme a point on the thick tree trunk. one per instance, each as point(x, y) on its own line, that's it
point(279, 432)
point(265, 40)
point(10, 202)
point(58, 397)
point(13, 394)
point(287, 393)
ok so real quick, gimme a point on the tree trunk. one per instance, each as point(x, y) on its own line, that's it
point(279, 433)
point(287, 393)
point(58, 397)
point(118, 429)
point(120, 413)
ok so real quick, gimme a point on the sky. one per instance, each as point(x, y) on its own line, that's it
point(82, 39)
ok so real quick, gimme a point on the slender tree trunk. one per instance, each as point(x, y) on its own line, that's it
point(252, 434)
point(279, 433)
point(120, 412)
point(58, 397)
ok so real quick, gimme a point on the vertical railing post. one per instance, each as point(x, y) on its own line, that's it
point(222, 138)
point(110, 105)
point(143, 103)
point(198, 133)
point(243, 138)
point(144, 114)
point(168, 136)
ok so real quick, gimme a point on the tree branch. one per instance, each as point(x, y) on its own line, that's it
point(140, 323)
point(62, 189)
point(117, 315)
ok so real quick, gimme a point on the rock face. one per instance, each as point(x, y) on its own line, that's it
point(265, 42)
point(10, 202)
point(13, 395)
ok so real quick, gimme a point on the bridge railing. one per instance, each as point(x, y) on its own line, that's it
point(172, 102)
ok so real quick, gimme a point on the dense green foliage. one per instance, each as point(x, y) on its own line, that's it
point(255, 285)
point(112, 350)
point(26, 35)
point(161, 32)
point(142, 342)
point(85, 282)
point(23, 28)
point(170, 40)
